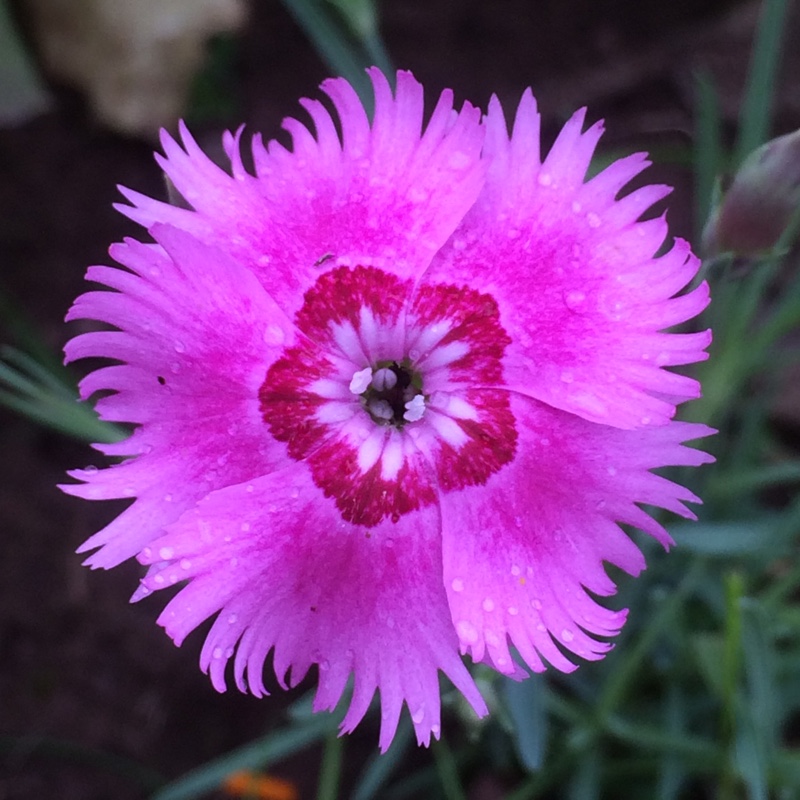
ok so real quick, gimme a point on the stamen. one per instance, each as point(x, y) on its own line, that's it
point(360, 381)
point(415, 408)
point(383, 379)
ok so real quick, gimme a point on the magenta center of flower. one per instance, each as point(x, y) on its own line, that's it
point(391, 396)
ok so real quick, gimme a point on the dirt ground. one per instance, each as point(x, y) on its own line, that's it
point(76, 661)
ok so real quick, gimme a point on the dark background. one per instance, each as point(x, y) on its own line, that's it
point(76, 661)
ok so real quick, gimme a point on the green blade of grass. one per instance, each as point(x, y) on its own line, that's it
point(756, 113)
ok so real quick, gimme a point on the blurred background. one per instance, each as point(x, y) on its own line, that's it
point(95, 701)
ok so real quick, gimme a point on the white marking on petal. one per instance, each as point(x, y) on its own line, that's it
point(330, 389)
point(348, 341)
point(361, 380)
point(415, 408)
point(448, 429)
point(369, 451)
point(334, 412)
point(392, 458)
point(444, 355)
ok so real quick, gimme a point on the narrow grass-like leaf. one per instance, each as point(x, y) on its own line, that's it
point(331, 769)
point(756, 112)
point(447, 769)
point(526, 702)
point(256, 755)
point(380, 768)
point(708, 148)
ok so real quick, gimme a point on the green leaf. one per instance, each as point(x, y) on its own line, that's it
point(526, 702)
point(256, 755)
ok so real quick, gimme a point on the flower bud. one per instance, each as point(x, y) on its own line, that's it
point(759, 205)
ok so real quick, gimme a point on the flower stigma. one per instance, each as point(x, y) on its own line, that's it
point(391, 394)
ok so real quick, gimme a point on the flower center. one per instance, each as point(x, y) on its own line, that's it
point(427, 415)
point(391, 393)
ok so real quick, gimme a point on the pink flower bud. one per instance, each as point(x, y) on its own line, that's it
point(759, 205)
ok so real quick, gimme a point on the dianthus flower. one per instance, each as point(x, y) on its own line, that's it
point(395, 391)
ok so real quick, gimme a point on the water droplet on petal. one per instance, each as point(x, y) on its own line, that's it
point(185, 563)
point(180, 347)
point(166, 553)
point(217, 652)
point(545, 179)
point(513, 611)
point(232, 618)
point(574, 300)
point(567, 377)
point(467, 632)
point(537, 604)
point(159, 579)
point(90, 470)
point(245, 527)
point(435, 730)
point(324, 665)
point(593, 220)
point(418, 715)
point(612, 471)
point(488, 604)
point(567, 635)
point(576, 206)
point(515, 570)
point(273, 334)
point(458, 585)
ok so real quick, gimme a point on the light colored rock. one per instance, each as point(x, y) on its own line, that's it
point(134, 58)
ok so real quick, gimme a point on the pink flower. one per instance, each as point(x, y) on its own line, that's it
point(394, 396)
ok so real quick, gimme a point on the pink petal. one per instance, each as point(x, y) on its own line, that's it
point(276, 560)
point(389, 195)
point(196, 335)
point(573, 269)
point(522, 554)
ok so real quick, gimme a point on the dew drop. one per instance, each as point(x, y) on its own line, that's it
point(545, 179)
point(185, 563)
point(567, 377)
point(513, 611)
point(515, 570)
point(593, 220)
point(541, 628)
point(273, 334)
point(143, 590)
point(232, 618)
point(249, 487)
point(601, 504)
point(458, 585)
point(147, 552)
point(467, 632)
point(180, 347)
point(612, 471)
point(173, 577)
point(537, 604)
point(389, 542)
point(436, 730)
point(390, 622)
point(576, 206)
point(646, 420)
point(501, 662)
point(567, 635)
point(245, 527)
point(488, 604)
point(166, 553)
point(167, 498)
point(418, 715)
point(518, 521)
point(217, 652)
point(295, 493)
point(574, 300)
point(414, 354)
point(90, 470)
point(175, 367)
point(324, 665)
point(159, 579)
